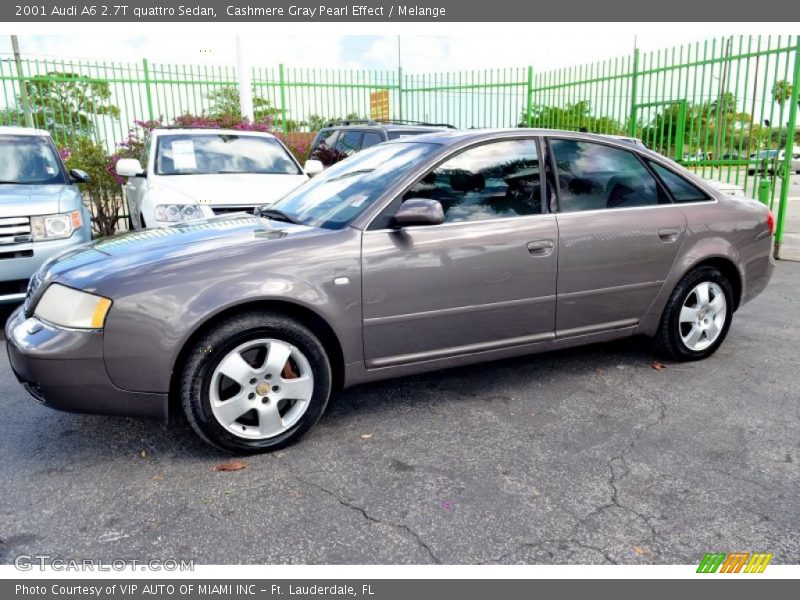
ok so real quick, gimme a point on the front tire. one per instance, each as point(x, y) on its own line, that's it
point(256, 382)
point(697, 317)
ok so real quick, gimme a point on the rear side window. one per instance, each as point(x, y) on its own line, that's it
point(594, 176)
point(681, 190)
point(370, 139)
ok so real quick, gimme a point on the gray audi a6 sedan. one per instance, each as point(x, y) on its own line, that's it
point(417, 254)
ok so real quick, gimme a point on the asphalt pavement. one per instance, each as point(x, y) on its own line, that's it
point(593, 455)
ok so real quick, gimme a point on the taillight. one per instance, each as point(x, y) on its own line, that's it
point(770, 222)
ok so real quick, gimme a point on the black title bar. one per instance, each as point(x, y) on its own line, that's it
point(384, 11)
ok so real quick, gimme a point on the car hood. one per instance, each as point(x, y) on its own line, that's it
point(246, 189)
point(86, 266)
point(22, 200)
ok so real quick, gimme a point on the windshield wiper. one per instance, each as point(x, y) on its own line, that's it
point(9, 181)
point(277, 215)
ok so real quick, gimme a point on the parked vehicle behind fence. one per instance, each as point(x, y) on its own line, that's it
point(771, 161)
point(189, 174)
point(341, 139)
point(41, 209)
point(418, 254)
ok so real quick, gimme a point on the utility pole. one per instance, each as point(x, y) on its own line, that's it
point(399, 81)
point(243, 76)
point(23, 90)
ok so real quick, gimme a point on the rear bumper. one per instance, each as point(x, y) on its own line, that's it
point(19, 261)
point(65, 370)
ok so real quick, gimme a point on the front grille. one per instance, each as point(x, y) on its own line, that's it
point(226, 210)
point(15, 230)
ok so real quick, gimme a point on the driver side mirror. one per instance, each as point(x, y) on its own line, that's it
point(313, 167)
point(129, 167)
point(419, 211)
point(78, 176)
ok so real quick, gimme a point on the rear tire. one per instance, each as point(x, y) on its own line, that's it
point(256, 382)
point(697, 316)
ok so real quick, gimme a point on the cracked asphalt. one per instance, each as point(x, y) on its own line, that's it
point(582, 456)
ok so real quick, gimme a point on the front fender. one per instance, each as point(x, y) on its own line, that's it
point(146, 331)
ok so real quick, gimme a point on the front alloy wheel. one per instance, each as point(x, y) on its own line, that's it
point(261, 388)
point(255, 382)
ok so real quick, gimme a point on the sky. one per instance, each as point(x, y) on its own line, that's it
point(444, 48)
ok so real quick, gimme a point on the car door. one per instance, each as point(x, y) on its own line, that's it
point(485, 279)
point(619, 235)
point(135, 187)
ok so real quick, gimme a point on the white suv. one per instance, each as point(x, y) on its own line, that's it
point(188, 174)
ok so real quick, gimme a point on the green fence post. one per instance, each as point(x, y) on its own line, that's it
point(147, 91)
point(634, 91)
point(764, 191)
point(787, 162)
point(282, 83)
point(529, 102)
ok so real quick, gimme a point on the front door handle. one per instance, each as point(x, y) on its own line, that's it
point(541, 247)
point(668, 235)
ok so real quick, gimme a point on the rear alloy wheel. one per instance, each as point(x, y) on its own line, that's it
point(697, 316)
point(256, 383)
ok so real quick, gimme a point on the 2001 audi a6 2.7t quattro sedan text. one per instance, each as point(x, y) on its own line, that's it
point(416, 254)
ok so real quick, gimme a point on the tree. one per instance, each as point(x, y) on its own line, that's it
point(65, 103)
point(782, 92)
point(226, 107)
point(103, 188)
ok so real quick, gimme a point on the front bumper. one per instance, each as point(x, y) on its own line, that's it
point(65, 370)
point(24, 259)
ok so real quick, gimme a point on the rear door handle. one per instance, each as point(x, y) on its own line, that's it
point(541, 247)
point(668, 235)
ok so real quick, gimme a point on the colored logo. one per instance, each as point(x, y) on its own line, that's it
point(734, 562)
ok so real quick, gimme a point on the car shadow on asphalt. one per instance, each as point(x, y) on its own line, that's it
point(91, 436)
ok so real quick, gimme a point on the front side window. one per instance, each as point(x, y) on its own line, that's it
point(29, 159)
point(349, 143)
point(594, 176)
point(324, 149)
point(681, 190)
point(222, 153)
point(492, 181)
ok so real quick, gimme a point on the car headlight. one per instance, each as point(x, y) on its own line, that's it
point(54, 227)
point(71, 308)
point(174, 213)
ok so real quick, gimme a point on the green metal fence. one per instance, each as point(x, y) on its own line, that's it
point(725, 108)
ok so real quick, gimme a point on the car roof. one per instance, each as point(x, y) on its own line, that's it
point(387, 125)
point(450, 136)
point(209, 130)
point(11, 130)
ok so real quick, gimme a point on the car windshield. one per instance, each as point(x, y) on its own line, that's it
point(29, 159)
point(222, 153)
point(337, 196)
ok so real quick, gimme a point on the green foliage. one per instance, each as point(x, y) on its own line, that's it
point(103, 190)
point(782, 92)
point(572, 117)
point(225, 106)
point(64, 103)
